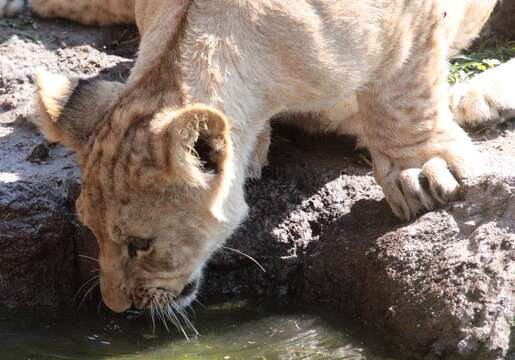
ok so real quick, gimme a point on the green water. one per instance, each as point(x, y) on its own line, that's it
point(227, 333)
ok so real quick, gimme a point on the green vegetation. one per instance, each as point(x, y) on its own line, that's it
point(486, 56)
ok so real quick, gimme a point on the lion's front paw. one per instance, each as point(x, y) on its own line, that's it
point(410, 190)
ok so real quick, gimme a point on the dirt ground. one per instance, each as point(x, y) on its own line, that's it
point(27, 43)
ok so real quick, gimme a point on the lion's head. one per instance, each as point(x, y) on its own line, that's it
point(155, 185)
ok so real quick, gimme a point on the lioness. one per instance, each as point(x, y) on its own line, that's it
point(164, 156)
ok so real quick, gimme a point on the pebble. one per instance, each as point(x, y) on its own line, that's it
point(39, 154)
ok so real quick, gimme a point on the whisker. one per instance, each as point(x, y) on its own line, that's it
point(152, 316)
point(198, 302)
point(182, 313)
point(190, 308)
point(185, 317)
point(172, 313)
point(84, 285)
point(161, 315)
point(87, 293)
point(166, 309)
point(88, 257)
point(169, 316)
point(158, 314)
point(99, 306)
point(247, 256)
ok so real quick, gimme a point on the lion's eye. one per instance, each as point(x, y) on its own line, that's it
point(139, 245)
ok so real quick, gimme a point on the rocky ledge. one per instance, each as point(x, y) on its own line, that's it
point(442, 286)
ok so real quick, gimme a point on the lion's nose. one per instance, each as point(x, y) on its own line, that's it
point(117, 301)
point(116, 305)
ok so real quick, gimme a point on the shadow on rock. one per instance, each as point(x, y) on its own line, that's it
point(309, 183)
point(442, 286)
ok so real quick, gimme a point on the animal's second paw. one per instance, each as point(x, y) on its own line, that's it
point(412, 190)
point(411, 186)
point(9, 8)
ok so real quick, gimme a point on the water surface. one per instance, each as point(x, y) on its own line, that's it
point(227, 332)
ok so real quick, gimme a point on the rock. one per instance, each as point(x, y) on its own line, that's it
point(39, 153)
point(501, 23)
point(309, 183)
point(443, 285)
point(40, 239)
point(37, 233)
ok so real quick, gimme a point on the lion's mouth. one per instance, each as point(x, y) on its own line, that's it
point(161, 296)
point(171, 309)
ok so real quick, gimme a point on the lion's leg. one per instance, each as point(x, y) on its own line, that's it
point(472, 104)
point(259, 157)
point(475, 15)
point(486, 98)
point(419, 153)
point(88, 12)
point(10, 7)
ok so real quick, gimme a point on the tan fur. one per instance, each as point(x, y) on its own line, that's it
point(88, 12)
point(487, 97)
point(157, 166)
point(53, 93)
point(10, 7)
point(58, 97)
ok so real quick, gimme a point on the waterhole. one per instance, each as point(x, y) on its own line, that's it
point(227, 332)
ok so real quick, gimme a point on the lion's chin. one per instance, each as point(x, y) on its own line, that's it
point(188, 294)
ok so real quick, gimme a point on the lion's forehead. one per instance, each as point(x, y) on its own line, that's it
point(123, 155)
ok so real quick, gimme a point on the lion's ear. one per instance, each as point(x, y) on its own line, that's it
point(69, 109)
point(197, 150)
